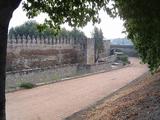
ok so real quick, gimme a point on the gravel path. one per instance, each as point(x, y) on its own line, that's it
point(59, 100)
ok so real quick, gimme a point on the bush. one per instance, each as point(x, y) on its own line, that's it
point(123, 58)
point(26, 85)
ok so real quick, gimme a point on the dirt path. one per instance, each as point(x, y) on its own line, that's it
point(59, 100)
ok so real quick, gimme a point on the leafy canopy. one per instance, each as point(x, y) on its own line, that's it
point(74, 12)
point(30, 28)
point(142, 23)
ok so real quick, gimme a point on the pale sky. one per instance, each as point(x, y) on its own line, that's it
point(112, 28)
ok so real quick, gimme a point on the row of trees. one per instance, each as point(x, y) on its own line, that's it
point(30, 28)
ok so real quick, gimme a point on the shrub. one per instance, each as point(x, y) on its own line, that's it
point(123, 58)
point(26, 85)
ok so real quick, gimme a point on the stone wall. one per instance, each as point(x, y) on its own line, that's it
point(36, 76)
point(31, 52)
point(107, 47)
point(39, 42)
point(77, 50)
point(90, 56)
point(40, 58)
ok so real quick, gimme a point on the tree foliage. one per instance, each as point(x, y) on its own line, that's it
point(30, 28)
point(75, 33)
point(74, 12)
point(142, 23)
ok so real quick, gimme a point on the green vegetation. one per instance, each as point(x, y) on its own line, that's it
point(123, 58)
point(27, 85)
point(75, 13)
point(56, 77)
point(30, 28)
point(142, 24)
point(97, 35)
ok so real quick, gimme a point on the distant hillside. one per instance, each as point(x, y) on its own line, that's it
point(121, 41)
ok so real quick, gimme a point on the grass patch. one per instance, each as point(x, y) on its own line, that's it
point(123, 58)
point(56, 77)
point(27, 85)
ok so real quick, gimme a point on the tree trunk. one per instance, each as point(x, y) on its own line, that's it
point(6, 11)
point(3, 46)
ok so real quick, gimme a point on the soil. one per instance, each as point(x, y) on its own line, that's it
point(140, 100)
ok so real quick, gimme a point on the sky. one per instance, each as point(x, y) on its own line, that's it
point(112, 28)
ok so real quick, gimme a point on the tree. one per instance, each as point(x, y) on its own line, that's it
point(75, 33)
point(142, 23)
point(74, 12)
point(98, 37)
point(30, 28)
point(63, 33)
